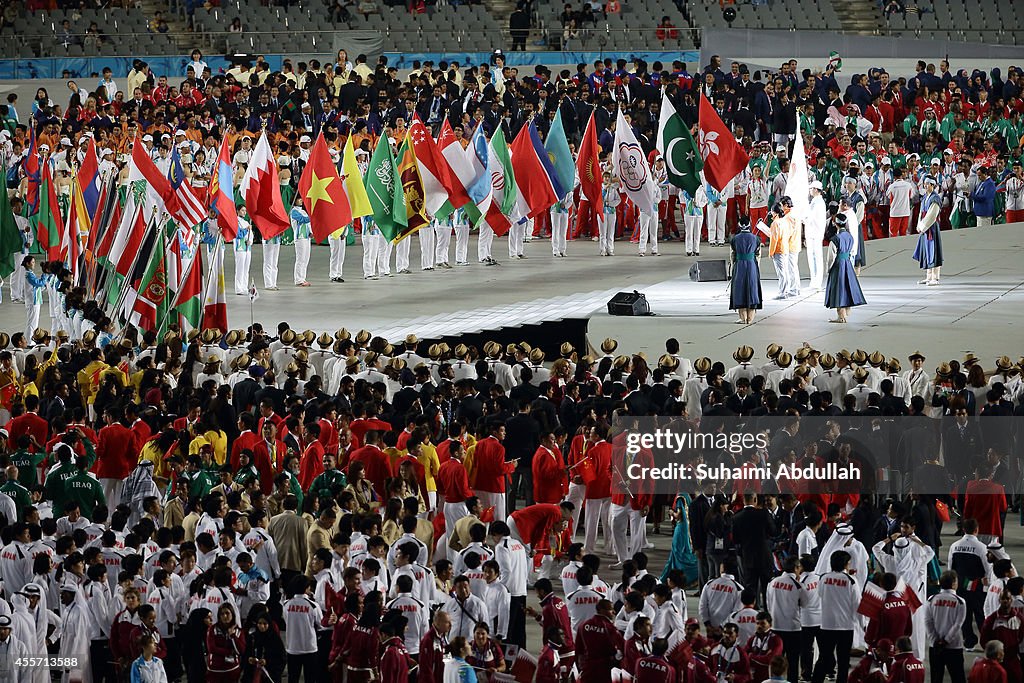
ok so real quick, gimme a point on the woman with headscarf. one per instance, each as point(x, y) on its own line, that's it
point(30, 623)
point(137, 488)
point(682, 556)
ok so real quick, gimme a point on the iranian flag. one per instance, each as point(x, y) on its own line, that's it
point(503, 185)
point(147, 192)
point(215, 302)
point(188, 300)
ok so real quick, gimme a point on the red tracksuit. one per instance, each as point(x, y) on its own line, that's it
point(598, 646)
point(906, 668)
point(654, 669)
point(395, 663)
point(892, 622)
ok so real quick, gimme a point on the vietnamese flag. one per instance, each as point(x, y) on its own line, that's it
point(588, 165)
point(723, 157)
point(323, 195)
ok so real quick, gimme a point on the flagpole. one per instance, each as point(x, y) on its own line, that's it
point(109, 279)
point(123, 294)
point(209, 277)
point(184, 277)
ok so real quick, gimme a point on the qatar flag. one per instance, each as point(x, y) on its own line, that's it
point(262, 193)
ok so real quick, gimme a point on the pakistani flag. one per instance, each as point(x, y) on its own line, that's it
point(682, 160)
point(384, 189)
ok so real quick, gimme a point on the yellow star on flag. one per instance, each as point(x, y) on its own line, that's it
point(318, 190)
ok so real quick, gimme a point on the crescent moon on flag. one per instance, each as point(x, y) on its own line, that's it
point(668, 158)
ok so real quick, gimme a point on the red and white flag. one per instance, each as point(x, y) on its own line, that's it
point(262, 192)
point(723, 157)
point(462, 173)
point(215, 302)
point(432, 166)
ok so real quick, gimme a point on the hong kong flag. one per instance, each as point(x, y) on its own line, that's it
point(723, 157)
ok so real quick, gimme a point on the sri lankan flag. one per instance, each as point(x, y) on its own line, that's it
point(412, 188)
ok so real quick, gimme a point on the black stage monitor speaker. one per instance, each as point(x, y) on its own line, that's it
point(709, 271)
point(628, 303)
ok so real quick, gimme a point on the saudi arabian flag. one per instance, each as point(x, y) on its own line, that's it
point(384, 190)
point(676, 144)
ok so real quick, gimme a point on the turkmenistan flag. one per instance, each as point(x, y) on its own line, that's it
point(10, 235)
point(384, 190)
point(49, 226)
point(676, 144)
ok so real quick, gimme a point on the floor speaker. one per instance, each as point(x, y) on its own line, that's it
point(628, 303)
point(712, 270)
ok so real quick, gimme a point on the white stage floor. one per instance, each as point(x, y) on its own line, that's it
point(977, 308)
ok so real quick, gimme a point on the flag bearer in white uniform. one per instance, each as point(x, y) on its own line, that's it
point(303, 236)
point(693, 217)
point(461, 223)
point(337, 242)
point(243, 252)
point(427, 245)
point(559, 225)
point(649, 222)
point(606, 222)
point(442, 241)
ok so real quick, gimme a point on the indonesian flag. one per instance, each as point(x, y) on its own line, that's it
point(463, 174)
point(723, 156)
point(262, 192)
point(432, 166)
point(215, 302)
point(872, 601)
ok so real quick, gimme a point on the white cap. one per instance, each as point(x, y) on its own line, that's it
point(147, 138)
point(305, 138)
point(936, 162)
point(362, 153)
point(185, 143)
point(886, 161)
point(306, 105)
point(815, 185)
point(165, 136)
point(780, 148)
point(948, 151)
point(65, 141)
point(283, 161)
point(87, 134)
point(44, 146)
point(179, 132)
point(104, 152)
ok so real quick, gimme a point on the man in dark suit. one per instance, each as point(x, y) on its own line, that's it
point(752, 530)
point(525, 390)
point(635, 400)
point(543, 409)
point(522, 438)
point(468, 407)
point(699, 508)
point(568, 409)
point(961, 442)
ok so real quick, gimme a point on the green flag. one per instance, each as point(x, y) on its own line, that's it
point(10, 235)
point(682, 159)
point(149, 311)
point(385, 191)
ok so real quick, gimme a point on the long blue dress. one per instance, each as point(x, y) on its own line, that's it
point(745, 291)
point(928, 253)
point(842, 290)
point(682, 556)
point(855, 200)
